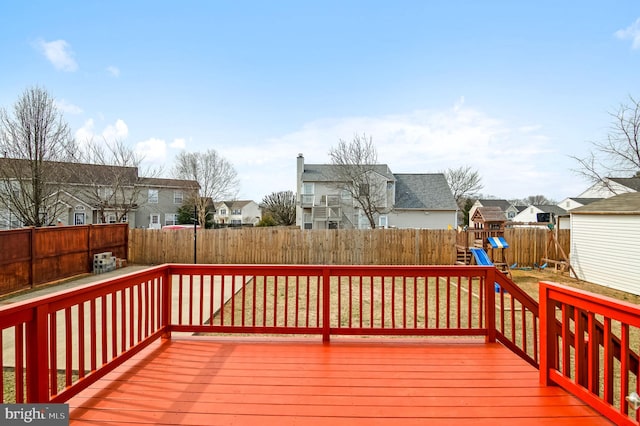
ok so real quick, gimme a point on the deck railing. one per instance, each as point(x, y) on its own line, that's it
point(60, 344)
point(587, 346)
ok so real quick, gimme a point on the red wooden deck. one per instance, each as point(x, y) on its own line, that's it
point(221, 381)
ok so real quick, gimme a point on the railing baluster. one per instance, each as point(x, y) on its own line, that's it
point(608, 362)
point(201, 301)
point(275, 300)
point(68, 350)
point(404, 302)
point(114, 326)
point(19, 362)
point(103, 325)
point(624, 367)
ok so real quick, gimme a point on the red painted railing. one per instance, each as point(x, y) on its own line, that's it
point(65, 342)
point(587, 346)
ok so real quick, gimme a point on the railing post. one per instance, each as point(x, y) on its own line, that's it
point(326, 303)
point(547, 319)
point(166, 303)
point(490, 304)
point(37, 356)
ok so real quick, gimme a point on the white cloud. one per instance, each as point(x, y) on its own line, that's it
point(632, 32)
point(112, 132)
point(59, 53)
point(511, 158)
point(117, 131)
point(178, 143)
point(153, 151)
point(67, 107)
point(114, 71)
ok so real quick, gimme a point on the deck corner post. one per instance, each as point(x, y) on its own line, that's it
point(490, 304)
point(326, 303)
point(37, 353)
point(166, 303)
point(546, 340)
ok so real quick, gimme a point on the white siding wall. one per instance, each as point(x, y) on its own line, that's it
point(605, 250)
point(434, 220)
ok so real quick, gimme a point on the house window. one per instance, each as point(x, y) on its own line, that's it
point(111, 218)
point(236, 211)
point(307, 221)
point(223, 212)
point(363, 189)
point(170, 219)
point(345, 195)
point(307, 193)
point(382, 221)
point(153, 196)
point(236, 222)
point(124, 219)
point(307, 188)
point(178, 197)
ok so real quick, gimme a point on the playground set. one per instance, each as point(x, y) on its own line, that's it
point(485, 244)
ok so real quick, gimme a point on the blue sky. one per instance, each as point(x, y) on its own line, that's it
point(511, 88)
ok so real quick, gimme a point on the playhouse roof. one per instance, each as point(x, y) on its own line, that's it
point(489, 214)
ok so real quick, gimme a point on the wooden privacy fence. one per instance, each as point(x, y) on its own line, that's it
point(329, 247)
point(32, 256)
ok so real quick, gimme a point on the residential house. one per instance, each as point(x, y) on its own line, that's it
point(604, 242)
point(402, 200)
point(423, 201)
point(571, 203)
point(509, 209)
point(160, 200)
point(91, 194)
point(237, 213)
point(542, 214)
point(611, 187)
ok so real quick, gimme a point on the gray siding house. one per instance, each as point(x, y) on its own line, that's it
point(91, 194)
point(403, 200)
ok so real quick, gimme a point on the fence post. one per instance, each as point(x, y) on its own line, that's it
point(326, 303)
point(32, 266)
point(37, 356)
point(490, 303)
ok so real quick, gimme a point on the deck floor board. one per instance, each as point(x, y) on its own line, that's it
point(210, 381)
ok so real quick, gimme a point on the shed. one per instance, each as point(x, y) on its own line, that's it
point(605, 242)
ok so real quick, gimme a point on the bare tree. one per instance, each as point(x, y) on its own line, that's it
point(281, 206)
point(619, 155)
point(538, 200)
point(110, 173)
point(34, 139)
point(464, 183)
point(356, 171)
point(217, 178)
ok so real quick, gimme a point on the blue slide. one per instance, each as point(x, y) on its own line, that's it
point(482, 258)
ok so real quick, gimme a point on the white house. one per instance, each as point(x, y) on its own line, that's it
point(604, 242)
point(237, 213)
point(611, 187)
point(543, 213)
